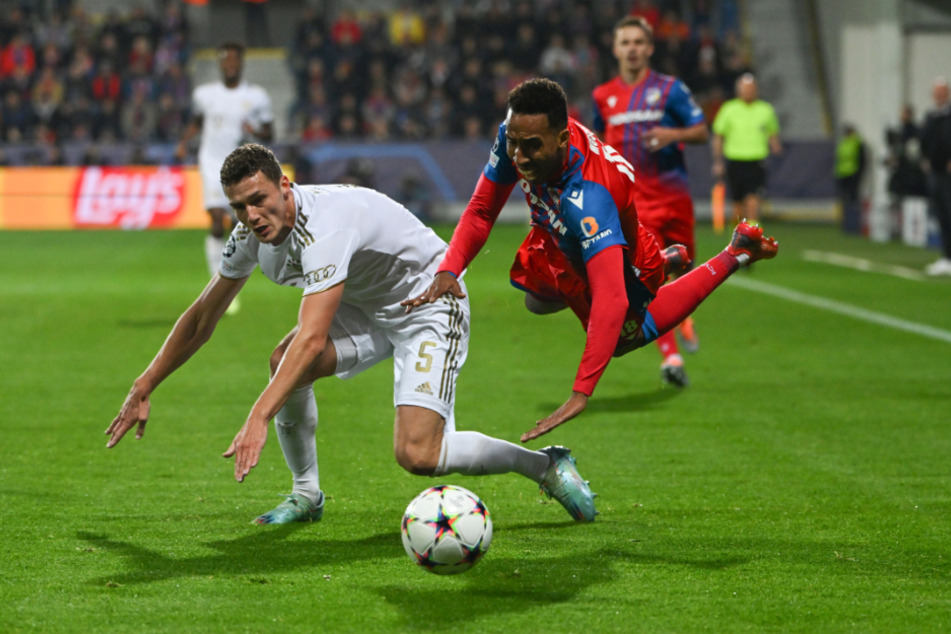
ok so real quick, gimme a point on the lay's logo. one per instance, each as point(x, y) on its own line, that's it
point(128, 197)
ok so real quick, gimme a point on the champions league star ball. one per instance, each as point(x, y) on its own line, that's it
point(446, 529)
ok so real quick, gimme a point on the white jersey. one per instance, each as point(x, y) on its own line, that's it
point(346, 234)
point(224, 111)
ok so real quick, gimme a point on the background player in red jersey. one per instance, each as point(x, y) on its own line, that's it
point(648, 117)
point(586, 250)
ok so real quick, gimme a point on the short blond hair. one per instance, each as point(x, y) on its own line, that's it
point(639, 22)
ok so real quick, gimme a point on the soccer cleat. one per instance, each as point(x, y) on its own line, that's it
point(939, 267)
point(676, 259)
point(563, 482)
point(748, 244)
point(295, 508)
point(672, 371)
point(687, 336)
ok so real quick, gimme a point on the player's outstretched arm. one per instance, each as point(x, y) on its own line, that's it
point(302, 364)
point(190, 333)
point(443, 282)
point(571, 408)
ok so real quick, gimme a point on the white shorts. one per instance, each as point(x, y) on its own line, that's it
point(428, 350)
point(212, 193)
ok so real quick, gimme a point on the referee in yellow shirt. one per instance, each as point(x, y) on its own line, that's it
point(745, 130)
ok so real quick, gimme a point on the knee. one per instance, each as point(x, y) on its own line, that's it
point(276, 357)
point(417, 458)
point(539, 306)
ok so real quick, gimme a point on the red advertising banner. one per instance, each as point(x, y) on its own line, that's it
point(101, 197)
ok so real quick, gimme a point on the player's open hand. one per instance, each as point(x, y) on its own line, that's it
point(246, 447)
point(444, 282)
point(135, 411)
point(571, 408)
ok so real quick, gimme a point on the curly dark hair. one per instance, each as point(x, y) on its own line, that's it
point(541, 96)
point(246, 161)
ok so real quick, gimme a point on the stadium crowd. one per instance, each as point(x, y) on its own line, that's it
point(424, 70)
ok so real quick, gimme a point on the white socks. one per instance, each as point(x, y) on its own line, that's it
point(472, 453)
point(213, 248)
point(296, 425)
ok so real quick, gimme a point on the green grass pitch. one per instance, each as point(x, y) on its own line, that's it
point(802, 483)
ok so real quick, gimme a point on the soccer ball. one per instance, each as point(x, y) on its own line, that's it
point(446, 529)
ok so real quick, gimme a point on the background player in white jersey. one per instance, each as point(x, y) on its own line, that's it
point(226, 113)
point(356, 254)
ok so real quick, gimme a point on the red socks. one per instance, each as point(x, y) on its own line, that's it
point(676, 300)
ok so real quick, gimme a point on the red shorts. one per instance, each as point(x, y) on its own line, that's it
point(670, 219)
point(542, 269)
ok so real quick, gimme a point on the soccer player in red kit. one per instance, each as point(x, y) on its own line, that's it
point(586, 249)
point(647, 117)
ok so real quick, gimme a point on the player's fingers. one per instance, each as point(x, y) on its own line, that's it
point(230, 451)
point(117, 430)
point(141, 430)
point(535, 432)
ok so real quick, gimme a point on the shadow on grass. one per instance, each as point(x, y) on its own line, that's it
point(627, 403)
point(531, 584)
point(259, 553)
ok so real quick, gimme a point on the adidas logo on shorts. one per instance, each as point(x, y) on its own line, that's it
point(425, 388)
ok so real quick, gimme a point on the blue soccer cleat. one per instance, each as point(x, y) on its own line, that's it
point(295, 508)
point(563, 482)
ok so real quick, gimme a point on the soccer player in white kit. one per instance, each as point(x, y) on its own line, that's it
point(356, 254)
point(226, 113)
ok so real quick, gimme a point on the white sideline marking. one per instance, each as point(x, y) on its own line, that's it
point(843, 309)
point(860, 264)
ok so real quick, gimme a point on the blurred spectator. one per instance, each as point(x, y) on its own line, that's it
point(524, 49)
point(557, 63)
point(316, 129)
point(169, 119)
point(140, 24)
point(438, 108)
point(671, 25)
point(18, 117)
point(140, 54)
point(647, 10)
point(936, 150)
point(849, 168)
point(138, 117)
point(47, 95)
point(54, 32)
point(406, 27)
point(378, 111)
point(347, 120)
point(175, 82)
point(107, 124)
point(18, 53)
point(109, 51)
point(346, 30)
point(906, 178)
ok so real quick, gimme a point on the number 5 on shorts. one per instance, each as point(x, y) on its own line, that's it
point(427, 359)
